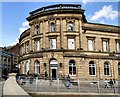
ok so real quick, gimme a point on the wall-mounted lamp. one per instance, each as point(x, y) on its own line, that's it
point(60, 64)
point(44, 64)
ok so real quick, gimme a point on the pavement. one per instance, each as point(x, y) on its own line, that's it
point(85, 87)
point(1, 88)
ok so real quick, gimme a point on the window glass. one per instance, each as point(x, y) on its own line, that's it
point(90, 45)
point(118, 46)
point(106, 68)
point(72, 67)
point(53, 43)
point(71, 44)
point(91, 68)
point(52, 27)
point(37, 67)
point(37, 30)
point(105, 46)
point(37, 45)
point(70, 26)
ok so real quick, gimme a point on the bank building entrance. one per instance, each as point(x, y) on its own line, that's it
point(53, 69)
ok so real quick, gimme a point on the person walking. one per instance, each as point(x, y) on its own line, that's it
point(68, 81)
point(45, 75)
point(111, 83)
point(106, 83)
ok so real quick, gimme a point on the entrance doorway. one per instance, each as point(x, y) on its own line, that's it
point(54, 74)
point(53, 69)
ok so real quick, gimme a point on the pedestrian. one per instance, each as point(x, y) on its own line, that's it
point(106, 83)
point(111, 83)
point(114, 81)
point(45, 74)
point(28, 73)
point(68, 81)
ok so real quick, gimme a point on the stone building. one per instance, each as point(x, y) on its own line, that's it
point(60, 41)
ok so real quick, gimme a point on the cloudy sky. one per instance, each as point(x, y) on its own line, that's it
point(13, 15)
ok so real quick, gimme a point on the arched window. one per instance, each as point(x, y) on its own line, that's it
point(119, 68)
point(70, 26)
point(37, 30)
point(92, 68)
point(72, 67)
point(27, 67)
point(37, 67)
point(52, 27)
point(106, 68)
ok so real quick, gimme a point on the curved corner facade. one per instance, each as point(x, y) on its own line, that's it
point(60, 41)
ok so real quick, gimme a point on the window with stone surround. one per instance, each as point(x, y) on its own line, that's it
point(91, 44)
point(70, 26)
point(53, 43)
point(106, 68)
point(27, 47)
point(92, 70)
point(37, 45)
point(71, 43)
point(52, 27)
point(72, 67)
point(105, 45)
point(37, 30)
point(27, 67)
point(23, 68)
point(118, 46)
point(37, 67)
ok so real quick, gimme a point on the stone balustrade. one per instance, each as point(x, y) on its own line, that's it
point(11, 88)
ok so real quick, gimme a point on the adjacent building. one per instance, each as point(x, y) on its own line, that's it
point(5, 61)
point(9, 59)
point(14, 51)
point(60, 41)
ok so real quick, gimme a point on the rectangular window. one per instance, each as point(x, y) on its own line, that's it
point(71, 44)
point(37, 45)
point(105, 46)
point(52, 43)
point(118, 46)
point(91, 45)
point(26, 48)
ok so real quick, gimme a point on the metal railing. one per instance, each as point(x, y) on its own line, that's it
point(78, 86)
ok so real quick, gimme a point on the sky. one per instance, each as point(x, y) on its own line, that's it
point(13, 15)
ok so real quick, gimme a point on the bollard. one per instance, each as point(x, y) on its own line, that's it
point(36, 83)
point(114, 87)
point(78, 85)
point(58, 85)
point(98, 86)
